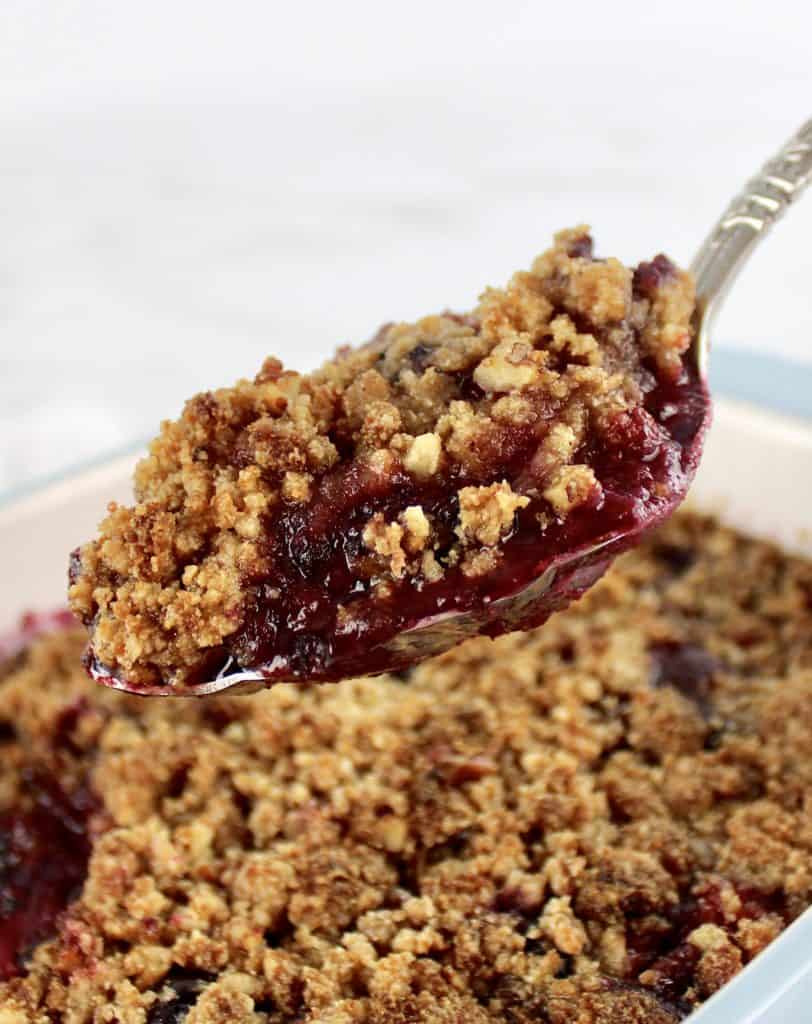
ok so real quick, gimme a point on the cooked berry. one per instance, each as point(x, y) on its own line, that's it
point(687, 667)
point(649, 278)
point(44, 850)
point(297, 524)
point(677, 559)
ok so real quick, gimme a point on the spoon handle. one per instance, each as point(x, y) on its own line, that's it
point(744, 223)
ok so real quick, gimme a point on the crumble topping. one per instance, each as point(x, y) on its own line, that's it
point(396, 541)
point(486, 513)
point(497, 426)
point(601, 820)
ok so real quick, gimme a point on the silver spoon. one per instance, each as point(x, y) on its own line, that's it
point(742, 226)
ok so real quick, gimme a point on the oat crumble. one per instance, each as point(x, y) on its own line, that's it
point(599, 821)
point(272, 520)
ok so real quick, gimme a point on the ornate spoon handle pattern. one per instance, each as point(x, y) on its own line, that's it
point(744, 223)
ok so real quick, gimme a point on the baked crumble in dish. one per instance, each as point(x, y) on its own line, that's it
point(296, 524)
point(599, 821)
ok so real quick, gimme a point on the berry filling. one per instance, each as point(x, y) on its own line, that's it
point(686, 667)
point(291, 622)
point(44, 851)
point(297, 526)
point(659, 953)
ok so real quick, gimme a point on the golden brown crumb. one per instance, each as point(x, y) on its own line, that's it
point(601, 820)
point(486, 513)
point(444, 404)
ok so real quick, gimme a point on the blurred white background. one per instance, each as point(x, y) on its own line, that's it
point(189, 185)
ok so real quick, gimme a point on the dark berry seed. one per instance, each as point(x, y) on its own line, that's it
point(688, 668)
point(678, 559)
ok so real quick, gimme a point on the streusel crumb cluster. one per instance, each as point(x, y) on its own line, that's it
point(600, 821)
point(444, 430)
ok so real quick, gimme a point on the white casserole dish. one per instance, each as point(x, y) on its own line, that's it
point(756, 472)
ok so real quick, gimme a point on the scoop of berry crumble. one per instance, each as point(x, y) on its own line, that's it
point(298, 523)
point(601, 821)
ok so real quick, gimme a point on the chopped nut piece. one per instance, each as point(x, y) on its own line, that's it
point(480, 562)
point(571, 486)
point(385, 539)
point(603, 288)
point(560, 924)
point(708, 936)
point(509, 367)
point(423, 457)
point(417, 528)
point(486, 513)
point(395, 541)
point(297, 485)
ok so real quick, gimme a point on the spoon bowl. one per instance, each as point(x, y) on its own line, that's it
point(549, 584)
